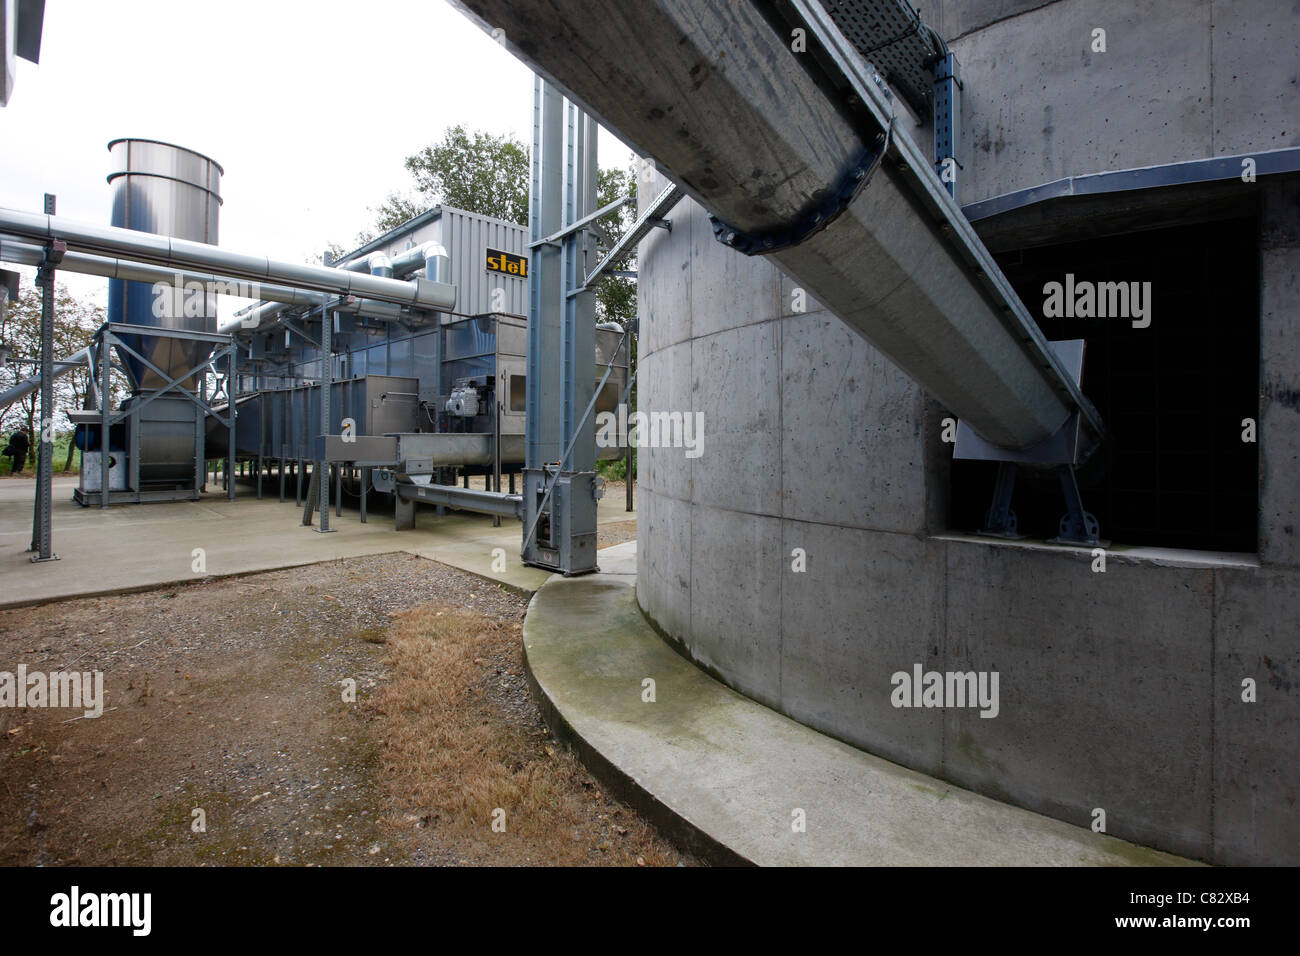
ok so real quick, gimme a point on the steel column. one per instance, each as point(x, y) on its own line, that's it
point(43, 544)
point(105, 418)
point(559, 501)
point(545, 291)
point(232, 358)
point(322, 484)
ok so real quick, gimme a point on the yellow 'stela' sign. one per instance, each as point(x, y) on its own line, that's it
point(511, 265)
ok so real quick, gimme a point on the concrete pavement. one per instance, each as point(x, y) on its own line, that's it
point(136, 547)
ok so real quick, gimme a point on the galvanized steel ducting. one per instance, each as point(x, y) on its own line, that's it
point(713, 92)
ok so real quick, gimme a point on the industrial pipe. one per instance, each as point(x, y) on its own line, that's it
point(29, 254)
point(15, 392)
point(431, 255)
point(180, 253)
point(462, 499)
point(713, 92)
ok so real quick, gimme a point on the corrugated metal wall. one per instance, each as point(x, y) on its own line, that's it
point(467, 237)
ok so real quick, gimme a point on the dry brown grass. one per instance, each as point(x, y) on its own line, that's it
point(458, 742)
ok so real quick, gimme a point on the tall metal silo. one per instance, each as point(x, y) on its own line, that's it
point(171, 191)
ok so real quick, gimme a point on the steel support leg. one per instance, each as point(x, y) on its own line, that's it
point(365, 481)
point(1077, 525)
point(496, 452)
point(309, 502)
point(629, 478)
point(105, 408)
point(322, 483)
point(230, 422)
point(403, 513)
point(1000, 520)
point(43, 545)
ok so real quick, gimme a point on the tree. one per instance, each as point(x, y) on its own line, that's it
point(616, 295)
point(75, 323)
point(478, 172)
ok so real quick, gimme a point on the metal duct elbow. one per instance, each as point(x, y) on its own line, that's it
point(437, 264)
point(417, 257)
point(377, 264)
point(435, 290)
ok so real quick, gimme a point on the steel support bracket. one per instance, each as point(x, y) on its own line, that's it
point(55, 250)
point(947, 120)
point(818, 215)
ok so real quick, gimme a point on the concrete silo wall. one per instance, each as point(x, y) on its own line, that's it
point(1120, 691)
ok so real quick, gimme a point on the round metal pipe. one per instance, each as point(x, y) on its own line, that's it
point(432, 256)
point(147, 247)
point(277, 297)
point(14, 392)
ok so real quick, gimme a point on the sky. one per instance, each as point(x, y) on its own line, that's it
point(310, 106)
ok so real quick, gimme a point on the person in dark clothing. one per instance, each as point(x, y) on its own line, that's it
point(17, 449)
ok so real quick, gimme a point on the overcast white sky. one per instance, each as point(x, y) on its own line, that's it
point(309, 105)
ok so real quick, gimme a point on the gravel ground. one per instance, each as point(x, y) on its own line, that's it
point(227, 696)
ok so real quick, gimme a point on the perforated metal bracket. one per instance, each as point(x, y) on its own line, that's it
point(815, 218)
point(947, 120)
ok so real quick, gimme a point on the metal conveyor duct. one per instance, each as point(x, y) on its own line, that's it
point(798, 157)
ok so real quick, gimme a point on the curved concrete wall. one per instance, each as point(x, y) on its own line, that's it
point(1119, 691)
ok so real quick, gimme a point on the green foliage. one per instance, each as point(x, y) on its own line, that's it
point(74, 324)
point(615, 295)
point(615, 470)
point(391, 213)
point(478, 172)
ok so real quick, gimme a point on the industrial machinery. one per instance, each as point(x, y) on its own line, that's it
point(415, 399)
point(410, 387)
point(154, 447)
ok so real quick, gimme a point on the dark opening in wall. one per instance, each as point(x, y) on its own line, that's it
point(1174, 471)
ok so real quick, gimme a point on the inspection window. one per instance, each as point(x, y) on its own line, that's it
point(1173, 377)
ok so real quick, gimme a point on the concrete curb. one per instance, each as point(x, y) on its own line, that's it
point(626, 788)
point(719, 773)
